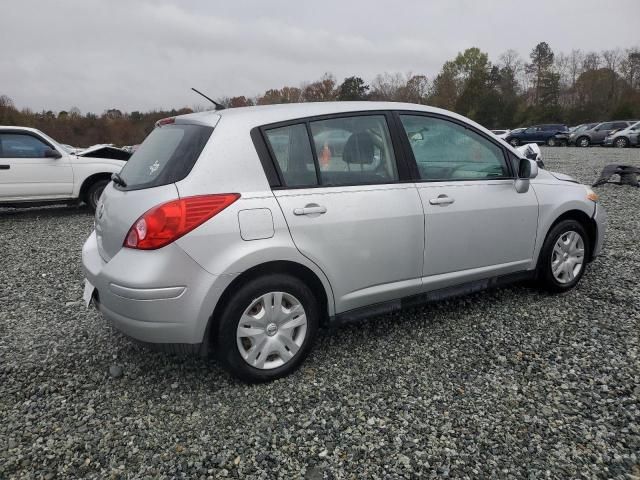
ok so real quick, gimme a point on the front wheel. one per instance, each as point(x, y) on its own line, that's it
point(94, 192)
point(621, 143)
point(583, 142)
point(563, 256)
point(267, 328)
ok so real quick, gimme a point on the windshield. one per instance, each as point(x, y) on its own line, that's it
point(166, 156)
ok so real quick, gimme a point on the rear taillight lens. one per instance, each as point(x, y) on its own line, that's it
point(167, 222)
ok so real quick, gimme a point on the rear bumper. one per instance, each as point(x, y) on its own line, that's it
point(600, 217)
point(607, 142)
point(161, 296)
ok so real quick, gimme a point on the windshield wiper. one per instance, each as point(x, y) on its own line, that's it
point(117, 179)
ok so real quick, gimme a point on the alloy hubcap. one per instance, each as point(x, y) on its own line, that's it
point(567, 258)
point(272, 330)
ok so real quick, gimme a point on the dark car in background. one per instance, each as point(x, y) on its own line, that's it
point(597, 134)
point(536, 134)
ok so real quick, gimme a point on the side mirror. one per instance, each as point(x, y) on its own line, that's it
point(51, 153)
point(527, 169)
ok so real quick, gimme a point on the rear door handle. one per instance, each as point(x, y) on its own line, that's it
point(310, 209)
point(442, 200)
point(5, 167)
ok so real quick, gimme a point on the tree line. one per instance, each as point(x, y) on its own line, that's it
point(569, 88)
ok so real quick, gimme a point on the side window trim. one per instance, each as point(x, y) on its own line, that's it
point(274, 174)
point(410, 155)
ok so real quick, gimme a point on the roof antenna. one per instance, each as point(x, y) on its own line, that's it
point(218, 105)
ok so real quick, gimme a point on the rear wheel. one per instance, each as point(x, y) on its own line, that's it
point(514, 142)
point(551, 142)
point(583, 142)
point(94, 192)
point(267, 328)
point(563, 256)
point(621, 142)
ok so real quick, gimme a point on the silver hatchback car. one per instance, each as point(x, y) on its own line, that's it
point(241, 231)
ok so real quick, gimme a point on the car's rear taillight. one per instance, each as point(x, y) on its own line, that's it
point(167, 222)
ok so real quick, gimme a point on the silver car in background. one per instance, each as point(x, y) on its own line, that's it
point(597, 134)
point(241, 231)
point(624, 137)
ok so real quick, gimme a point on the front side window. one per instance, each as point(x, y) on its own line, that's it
point(447, 151)
point(16, 145)
point(166, 156)
point(354, 151)
point(291, 148)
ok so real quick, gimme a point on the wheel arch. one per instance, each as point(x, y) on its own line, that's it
point(297, 270)
point(90, 180)
point(586, 221)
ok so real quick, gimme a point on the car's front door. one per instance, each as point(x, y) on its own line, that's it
point(601, 132)
point(25, 172)
point(476, 224)
point(347, 209)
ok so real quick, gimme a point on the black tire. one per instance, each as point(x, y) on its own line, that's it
point(551, 142)
point(621, 142)
point(225, 342)
point(514, 142)
point(564, 143)
point(583, 142)
point(93, 193)
point(546, 279)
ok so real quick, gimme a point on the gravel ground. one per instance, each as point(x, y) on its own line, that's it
point(510, 383)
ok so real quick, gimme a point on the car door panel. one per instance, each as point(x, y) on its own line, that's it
point(488, 226)
point(346, 207)
point(369, 241)
point(476, 224)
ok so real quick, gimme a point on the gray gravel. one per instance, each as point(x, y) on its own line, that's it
point(505, 384)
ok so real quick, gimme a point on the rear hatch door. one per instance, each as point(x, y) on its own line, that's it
point(148, 179)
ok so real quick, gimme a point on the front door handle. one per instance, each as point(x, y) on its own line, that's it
point(311, 209)
point(442, 200)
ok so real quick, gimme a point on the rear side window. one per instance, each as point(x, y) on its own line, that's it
point(354, 151)
point(620, 125)
point(291, 149)
point(166, 156)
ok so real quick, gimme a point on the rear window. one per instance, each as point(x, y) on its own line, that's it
point(166, 156)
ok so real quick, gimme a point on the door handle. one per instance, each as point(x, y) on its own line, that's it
point(442, 200)
point(5, 167)
point(310, 210)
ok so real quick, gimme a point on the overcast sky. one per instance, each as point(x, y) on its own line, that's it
point(141, 55)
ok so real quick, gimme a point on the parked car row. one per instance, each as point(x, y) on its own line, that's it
point(617, 133)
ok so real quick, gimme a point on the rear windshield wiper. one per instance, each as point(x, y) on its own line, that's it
point(117, 179)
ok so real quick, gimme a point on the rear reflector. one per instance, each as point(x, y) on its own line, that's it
point(167, 222)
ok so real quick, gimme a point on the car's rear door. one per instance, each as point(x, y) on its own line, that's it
point(26, 174)
point(476, 224)
point(347, 207)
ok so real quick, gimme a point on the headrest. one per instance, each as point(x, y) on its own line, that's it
point(359, 149)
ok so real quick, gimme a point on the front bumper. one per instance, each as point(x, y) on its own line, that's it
point(600, 217)
point(157, 296)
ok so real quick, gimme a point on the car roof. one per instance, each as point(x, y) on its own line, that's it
point(15, 128)
point(267, 114)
